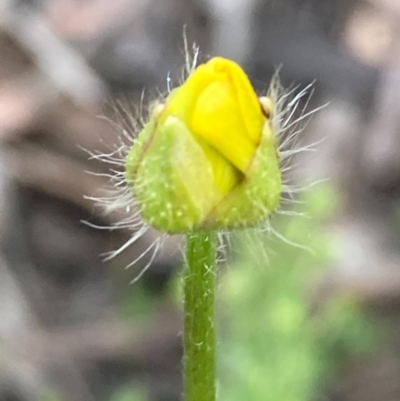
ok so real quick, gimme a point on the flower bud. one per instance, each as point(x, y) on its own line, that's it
point(207, 158)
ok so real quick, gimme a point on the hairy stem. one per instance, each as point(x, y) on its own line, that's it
point(199, 335)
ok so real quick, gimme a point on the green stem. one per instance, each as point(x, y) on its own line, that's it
point(199, 335)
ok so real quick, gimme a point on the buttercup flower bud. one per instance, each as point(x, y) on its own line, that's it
point(207, 158)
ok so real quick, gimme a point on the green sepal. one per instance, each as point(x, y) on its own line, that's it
point(171, 177)
point(257, 195)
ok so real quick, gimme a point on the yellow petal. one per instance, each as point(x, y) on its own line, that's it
point(247, 100)
point(227, 114)
point(216, 120)
point(181, 101)
point(226, 176)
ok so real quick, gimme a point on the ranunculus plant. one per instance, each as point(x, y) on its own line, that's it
point(205, 161)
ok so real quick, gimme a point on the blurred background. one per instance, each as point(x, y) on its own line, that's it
point(311, 313)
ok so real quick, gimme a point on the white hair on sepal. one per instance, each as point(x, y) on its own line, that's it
point(259, 249)
point(154, 248)
point(289, 119)
point(272, 232)
point(121, 198)
point(191, 60)
point(224, 245)
point(118, 198)
point(191, 56)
